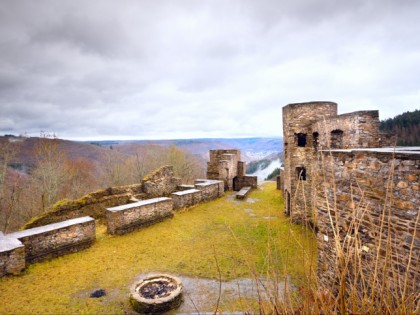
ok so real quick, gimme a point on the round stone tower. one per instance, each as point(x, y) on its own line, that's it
point(300, 144)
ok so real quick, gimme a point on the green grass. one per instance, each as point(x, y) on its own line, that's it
point(185, 245)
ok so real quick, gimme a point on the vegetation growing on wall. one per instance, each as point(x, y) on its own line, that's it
point(219, 234)
point(35, 173)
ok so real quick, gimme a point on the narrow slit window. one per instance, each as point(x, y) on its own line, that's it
point(301, 173)
point(301, 139)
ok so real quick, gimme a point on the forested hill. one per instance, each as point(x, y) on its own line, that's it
point(406, 126)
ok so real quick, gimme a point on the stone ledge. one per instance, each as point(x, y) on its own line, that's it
point(139, 204)
point(9, 243)
point(127, 218)
point(243, 192)
point(397, 150)
point(185, 192)
point(55, 239)
point(185, 187)
point(50, 227)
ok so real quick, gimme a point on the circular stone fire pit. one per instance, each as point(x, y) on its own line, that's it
point(156, 294)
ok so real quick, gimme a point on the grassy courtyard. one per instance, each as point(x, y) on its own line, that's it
point(242, 239)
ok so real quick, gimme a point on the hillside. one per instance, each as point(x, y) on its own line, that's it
point(25, 147)
point(406, 126)
point(251, 148)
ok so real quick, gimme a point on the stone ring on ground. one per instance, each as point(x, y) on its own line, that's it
point(156, 294)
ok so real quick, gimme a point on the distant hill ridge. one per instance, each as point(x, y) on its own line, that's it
point(251, 148)
point(95, 150)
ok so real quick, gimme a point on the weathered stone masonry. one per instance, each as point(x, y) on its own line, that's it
point(225, 165)
point(338, 177)
point(159, 183)
point(126, 218)
point(56, 239)
point(138, 206)
point(21, 248)
point(299, 140)
point(12, 256)
point(357, 193)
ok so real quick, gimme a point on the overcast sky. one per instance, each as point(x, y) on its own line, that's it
point(190, 69)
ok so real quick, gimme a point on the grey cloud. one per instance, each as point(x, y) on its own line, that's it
point(200, 68)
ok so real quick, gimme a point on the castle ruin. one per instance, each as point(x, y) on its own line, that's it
point(226, 165)
point(345, 178)
point(70, 225)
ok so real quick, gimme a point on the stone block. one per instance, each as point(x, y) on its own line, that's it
point(12, 256)
point(56, 239)
point(186, 198)
point(211, 189)
point(126, 218)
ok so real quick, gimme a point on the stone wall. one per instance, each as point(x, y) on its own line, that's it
point(40, 241)
point(223, 165)
point(56, 239)
point(360, 191)
point(160, 182)
point(359, 130)
point(210, 189)
point(298, 155)
point(12, 256)
point(362, 198)
point(387, 140)
point(240, 182)
point(186, 198)
point(126, 218)
point(280, 180)
point(185, 187)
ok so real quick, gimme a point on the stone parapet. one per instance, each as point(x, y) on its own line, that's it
point(185, 187)
point(56, 239)
point(126, 218)
point(240, 182)
point(186, 198)
point(211, 189)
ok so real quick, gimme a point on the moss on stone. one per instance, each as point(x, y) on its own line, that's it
point(185, 245)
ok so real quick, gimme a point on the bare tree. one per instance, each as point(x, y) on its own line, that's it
point(49, 174)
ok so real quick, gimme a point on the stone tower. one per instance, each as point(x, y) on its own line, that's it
point(226, 165)
point(300, 143)
point(223, 165)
